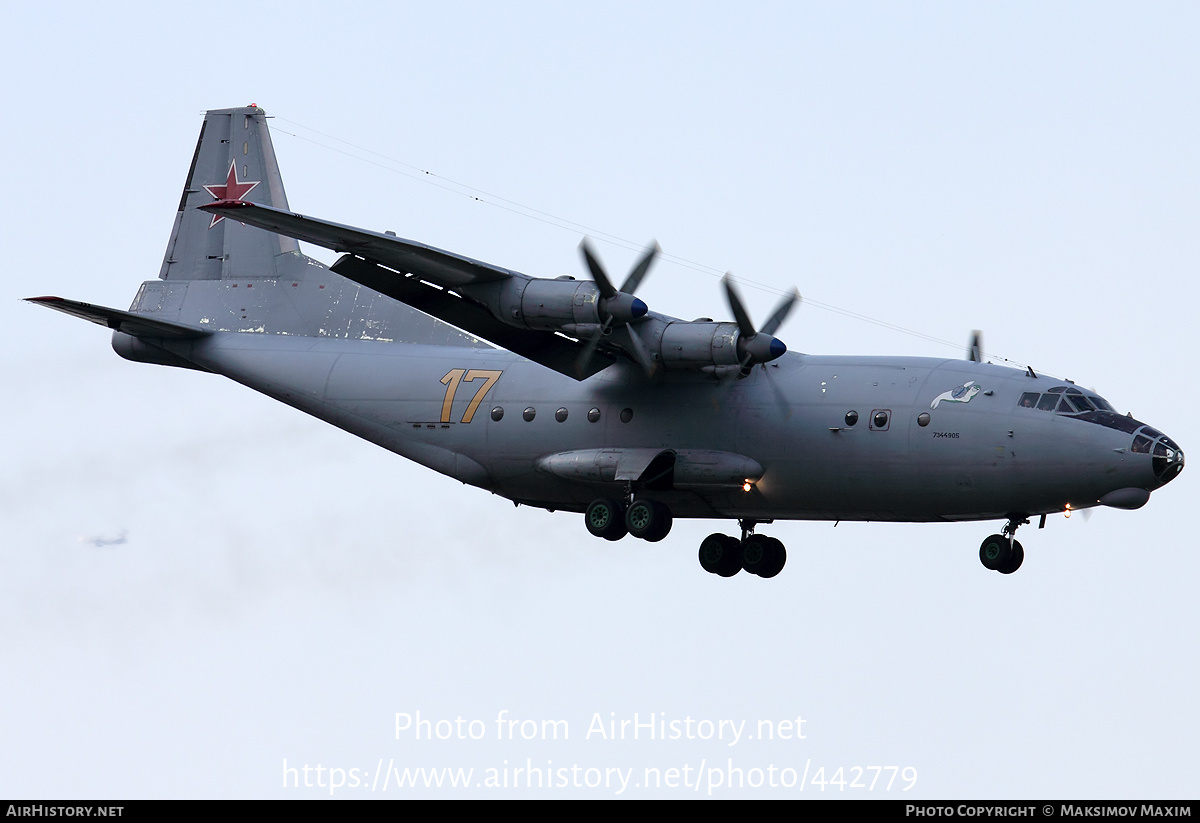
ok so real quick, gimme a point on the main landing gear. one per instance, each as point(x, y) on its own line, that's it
point(719, 553)
point(644, 519)
point(1001, 552)
point(756, 553)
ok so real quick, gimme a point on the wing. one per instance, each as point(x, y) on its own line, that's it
point(444, 268)
point(551, 350)
point(403, 269)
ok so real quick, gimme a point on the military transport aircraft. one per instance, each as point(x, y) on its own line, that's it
point(572, 394)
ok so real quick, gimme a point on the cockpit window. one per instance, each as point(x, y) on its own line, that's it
point(1068, 400)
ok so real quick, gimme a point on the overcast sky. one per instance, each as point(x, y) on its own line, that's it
point(274, 592)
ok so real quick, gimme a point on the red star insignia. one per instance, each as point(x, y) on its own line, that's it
point(231, 189)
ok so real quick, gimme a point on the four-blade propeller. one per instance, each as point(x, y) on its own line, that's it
point(619, 308)
point(758, 346)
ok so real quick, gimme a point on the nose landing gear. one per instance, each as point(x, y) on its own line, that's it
point(1001, 552)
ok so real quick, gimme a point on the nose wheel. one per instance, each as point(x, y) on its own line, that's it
point(1002, 552)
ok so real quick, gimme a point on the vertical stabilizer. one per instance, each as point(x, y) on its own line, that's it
point(234, 160)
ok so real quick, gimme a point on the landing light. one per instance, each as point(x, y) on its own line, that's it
point(747, 486)
point(1067, 511)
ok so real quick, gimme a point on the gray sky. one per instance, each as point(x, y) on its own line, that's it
point(284, 590)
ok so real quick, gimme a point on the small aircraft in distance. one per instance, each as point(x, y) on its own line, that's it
point(572, 394)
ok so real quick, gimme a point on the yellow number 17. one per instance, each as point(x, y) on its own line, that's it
point(456, 376)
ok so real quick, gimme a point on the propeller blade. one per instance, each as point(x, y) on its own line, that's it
point(739, 311)
point(975, 349)
point(781, 312)
point(585, 358)
point(639, 271)
point(784, 407)
point(602, 282)
point(641, 351)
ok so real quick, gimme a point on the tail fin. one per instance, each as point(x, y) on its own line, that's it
point(234, 160)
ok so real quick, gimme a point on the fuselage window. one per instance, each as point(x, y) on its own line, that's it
point(1029, 399)
point(1048, 402)
point(529, 414)
point(497, 414)
point(561, 415)
point(851, 418)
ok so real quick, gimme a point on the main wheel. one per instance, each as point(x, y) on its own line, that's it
point(776, 557)
point(721, 554)
point(648, 520)
point(1015, 561)
point(760, 554)
point(995, 552)
point(604, 518)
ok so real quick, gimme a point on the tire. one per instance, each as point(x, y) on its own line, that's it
point(778, 557)
point(604, 518)
point(995, 552)
point(721, 554)
point(1015, 561)
point(648, 520)
point(757, 553)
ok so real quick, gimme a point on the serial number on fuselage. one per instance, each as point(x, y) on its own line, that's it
point(936, 435)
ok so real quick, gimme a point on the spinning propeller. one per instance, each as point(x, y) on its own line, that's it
point(619, 308)
point(759, 346)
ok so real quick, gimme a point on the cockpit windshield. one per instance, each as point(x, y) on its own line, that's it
point(1064, 400)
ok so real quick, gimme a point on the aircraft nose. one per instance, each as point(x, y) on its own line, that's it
point(1174, 463)
point(1166, 456)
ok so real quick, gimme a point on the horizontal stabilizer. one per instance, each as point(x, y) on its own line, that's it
point(136, 325)
point(437, 266)
point(545, 347)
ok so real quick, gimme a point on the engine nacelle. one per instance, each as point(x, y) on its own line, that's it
point(699, 345)
point(549, 305)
